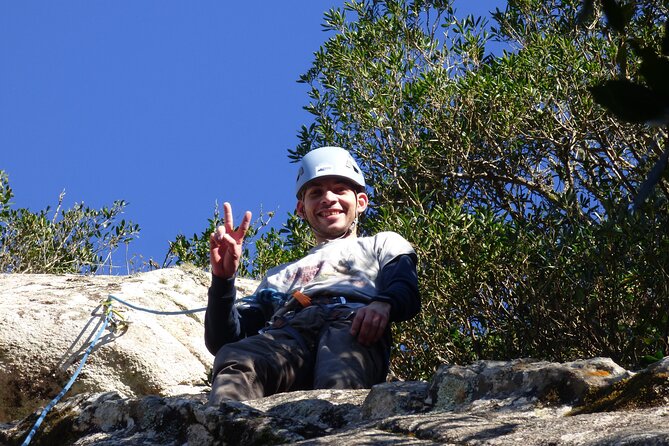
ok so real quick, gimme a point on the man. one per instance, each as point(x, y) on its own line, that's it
point(335, 330)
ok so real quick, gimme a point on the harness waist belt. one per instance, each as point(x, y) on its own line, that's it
point(328, 300)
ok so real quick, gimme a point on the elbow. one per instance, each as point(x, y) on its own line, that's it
point(213, 345)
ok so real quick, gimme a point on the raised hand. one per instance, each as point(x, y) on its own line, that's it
point(225, 244)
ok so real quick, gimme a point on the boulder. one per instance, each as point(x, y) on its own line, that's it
point(522, 382)
point(646, 389)
point(341, 418)
point(47, 322)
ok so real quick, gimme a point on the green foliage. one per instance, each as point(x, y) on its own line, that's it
point(194, 250)
point(510, 181)
point(283, 245)
point(75, 240)
point(469, 272)
point(633, 101)
point(270, 248)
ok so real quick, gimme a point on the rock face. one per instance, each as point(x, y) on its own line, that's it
point(47, 322)
point(400, 413)
point(523, 382)
point(148, 387)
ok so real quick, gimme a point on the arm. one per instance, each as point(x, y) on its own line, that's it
point(397, 285)
point(226, 322)
point(222, 322)
point(397, 300)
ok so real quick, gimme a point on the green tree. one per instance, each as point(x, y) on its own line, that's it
point(512, 183)
point(270, 249)
point(75, 240)
point(633, 101)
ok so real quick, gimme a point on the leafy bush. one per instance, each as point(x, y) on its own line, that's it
point(513, 185)
point(258, 252)
point(75, 240)
point(634, 101)
point(193, 250)
point(283, 245)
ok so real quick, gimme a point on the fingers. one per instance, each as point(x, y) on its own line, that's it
point(224, 253)
point(227, 217)
point(217, 236)
point(216, 252)
point(228, 223)
point(357, 322)
point(369, 325)
point(371, 332)
point(221, 239)
point(246, 222)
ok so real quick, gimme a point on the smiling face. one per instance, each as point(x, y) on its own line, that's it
point(330, 205)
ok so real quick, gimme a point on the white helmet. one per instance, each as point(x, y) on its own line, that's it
point(328, 161)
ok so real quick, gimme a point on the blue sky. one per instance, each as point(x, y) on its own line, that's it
point(169, 105)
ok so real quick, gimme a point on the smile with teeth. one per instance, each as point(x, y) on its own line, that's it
point(329, 213)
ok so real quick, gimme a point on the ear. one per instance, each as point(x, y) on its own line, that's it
point(299, 209)
point(363, 202)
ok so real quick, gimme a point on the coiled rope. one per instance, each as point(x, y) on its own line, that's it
point(148, 310)
point(111, 316)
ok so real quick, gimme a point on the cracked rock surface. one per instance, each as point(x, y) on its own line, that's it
point(147, 385)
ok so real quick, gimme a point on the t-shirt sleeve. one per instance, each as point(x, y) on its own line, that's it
point(397, 281)
point(390, 245)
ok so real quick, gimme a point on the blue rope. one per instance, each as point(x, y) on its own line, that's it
point(62, 393)
point(148, 310)
point(109, 314)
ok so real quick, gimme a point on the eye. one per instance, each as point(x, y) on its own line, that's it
point(341, 189)
point(314, 193)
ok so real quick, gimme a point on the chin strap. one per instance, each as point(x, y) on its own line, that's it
point(351, 227)
point(348, 231)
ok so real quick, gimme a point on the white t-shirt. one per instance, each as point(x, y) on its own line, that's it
point(347, 266)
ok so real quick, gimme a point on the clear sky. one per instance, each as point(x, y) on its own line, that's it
point(170, 105)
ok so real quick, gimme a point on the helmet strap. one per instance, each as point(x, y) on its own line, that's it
point(349, 230)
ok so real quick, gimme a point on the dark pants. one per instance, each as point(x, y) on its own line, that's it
point(314, 350)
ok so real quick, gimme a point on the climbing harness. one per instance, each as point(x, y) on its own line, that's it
point(296, 302)
point(333, 307)
point(267, 300)
point(116, 321)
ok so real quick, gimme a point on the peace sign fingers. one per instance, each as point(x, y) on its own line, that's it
point(228, 223)
point(227, 218)
point(226, 244)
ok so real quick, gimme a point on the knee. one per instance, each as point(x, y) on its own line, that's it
point(342, 379)
point(234, 385)
point(227, 358)
point(235, 377)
